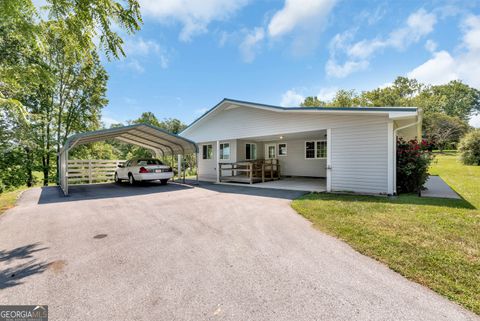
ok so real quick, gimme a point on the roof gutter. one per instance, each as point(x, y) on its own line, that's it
point(418, 123)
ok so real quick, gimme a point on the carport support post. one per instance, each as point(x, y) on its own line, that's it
point(196, 165)
point(218, 161)
point(179, 166)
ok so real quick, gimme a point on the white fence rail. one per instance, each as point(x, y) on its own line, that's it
point(91, 171)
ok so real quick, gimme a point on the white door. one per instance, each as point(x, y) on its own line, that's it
point(270, 151)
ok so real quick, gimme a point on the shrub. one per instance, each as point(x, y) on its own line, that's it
point(470, 148)
point(413, 161)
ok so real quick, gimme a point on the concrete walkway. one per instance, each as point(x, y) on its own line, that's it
point(304, 184)
point(436, 187)
point(176, 252)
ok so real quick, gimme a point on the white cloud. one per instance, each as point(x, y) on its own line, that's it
point(337, 70)
point(438, 70)
point(471, 27)
point(297, 13)
point(419, 24)
point(250, 43)
point(301, 19)
point(139, 49)
point(193, 15)
point(135, 65)
point(444, 66)
point(327, 94)
point(291, 99)
point(357, 55)
point(201, 111)
point(475, 121)
point(431, 45)
point(108, 121)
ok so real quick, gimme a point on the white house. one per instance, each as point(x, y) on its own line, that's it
point(353, 149)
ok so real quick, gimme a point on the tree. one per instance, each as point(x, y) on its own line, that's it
point(172, 125)
point(147, 118)
point(51, 69)
point(470, 148)
point(312, 101)
point(84, 18)
point(454, 99)
point(445, 130)
point(345, 98)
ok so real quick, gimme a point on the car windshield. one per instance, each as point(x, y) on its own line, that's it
point(143, 162)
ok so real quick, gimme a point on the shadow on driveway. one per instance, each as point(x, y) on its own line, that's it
point(12, 276)
point(53, 194)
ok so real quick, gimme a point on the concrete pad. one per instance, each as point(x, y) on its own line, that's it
point(436, 187)
point(304, 184)
point(177, 252)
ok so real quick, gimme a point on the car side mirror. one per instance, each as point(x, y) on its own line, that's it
point(120, 165)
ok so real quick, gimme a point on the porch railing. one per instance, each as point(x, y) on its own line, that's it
point(253, 171)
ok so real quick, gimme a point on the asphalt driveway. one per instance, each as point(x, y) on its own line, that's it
point(175, 252)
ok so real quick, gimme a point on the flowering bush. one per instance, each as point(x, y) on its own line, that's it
point(413, 160)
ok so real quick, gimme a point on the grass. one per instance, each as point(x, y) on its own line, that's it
point(435, 242)
point(8, 199)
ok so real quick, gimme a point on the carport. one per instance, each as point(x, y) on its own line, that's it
point(161, 142)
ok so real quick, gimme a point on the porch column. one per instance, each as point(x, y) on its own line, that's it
point(218, 161)
point(391, 159)
point(329, 160)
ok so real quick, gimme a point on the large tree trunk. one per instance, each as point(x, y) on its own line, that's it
point(29, 163)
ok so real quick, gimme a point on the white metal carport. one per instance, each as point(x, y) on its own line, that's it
point(161, 142)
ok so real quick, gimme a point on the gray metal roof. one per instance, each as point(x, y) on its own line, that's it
point(143, 135)
point(305, 109)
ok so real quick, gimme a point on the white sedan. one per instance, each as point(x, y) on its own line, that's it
point(143, 169)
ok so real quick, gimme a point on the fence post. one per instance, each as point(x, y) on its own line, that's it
point(250, 166)
point(89, 171)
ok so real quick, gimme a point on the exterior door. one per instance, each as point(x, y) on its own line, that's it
point(270, 151)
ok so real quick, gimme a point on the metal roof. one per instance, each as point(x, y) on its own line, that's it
point(304, 109)
point(143, 135)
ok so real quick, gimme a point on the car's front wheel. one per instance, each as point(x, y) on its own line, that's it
point(116, 179)
point(131, 179)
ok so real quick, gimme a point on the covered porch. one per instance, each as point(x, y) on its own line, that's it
point(292, 161)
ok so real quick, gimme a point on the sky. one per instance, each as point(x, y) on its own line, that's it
point(190, 54)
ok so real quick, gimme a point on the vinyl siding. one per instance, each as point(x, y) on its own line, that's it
point(295, 163)
point(359, 158)
point(358, 147)
point(245, 122)
point(207, 168)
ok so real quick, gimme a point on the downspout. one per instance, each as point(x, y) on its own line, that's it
point(418, 122)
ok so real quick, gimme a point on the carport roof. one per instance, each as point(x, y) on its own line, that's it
point(143, 135)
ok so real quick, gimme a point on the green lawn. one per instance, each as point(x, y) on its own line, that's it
point(435, 242)
point(8, 199)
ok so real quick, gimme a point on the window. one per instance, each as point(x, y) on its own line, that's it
point(250, 151)
point(310, 149)
point(144, 162)
point(207, 152)
point(225, 151)
point(271, 151)
point(321, 149)
point(282, 149)
point(316, 149)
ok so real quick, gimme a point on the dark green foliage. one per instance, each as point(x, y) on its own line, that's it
point(445, 131)
point(454, 99)
point(470, 148)
point(413, 161)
